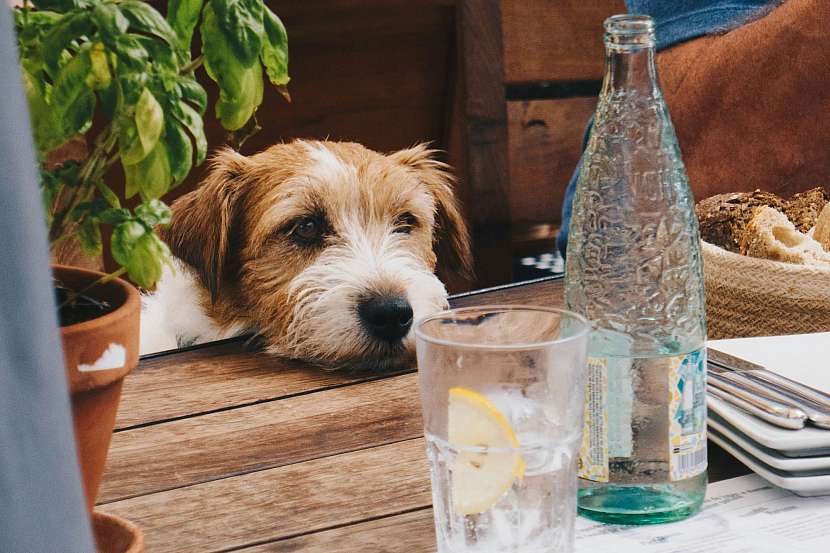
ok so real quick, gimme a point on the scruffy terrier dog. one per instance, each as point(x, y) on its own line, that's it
point(326, 250)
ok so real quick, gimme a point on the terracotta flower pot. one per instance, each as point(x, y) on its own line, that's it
point(115, 535)
point(98, 354)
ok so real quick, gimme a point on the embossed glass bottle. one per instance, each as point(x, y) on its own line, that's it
point(634, 269)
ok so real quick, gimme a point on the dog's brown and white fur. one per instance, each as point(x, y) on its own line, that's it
point(318, 247)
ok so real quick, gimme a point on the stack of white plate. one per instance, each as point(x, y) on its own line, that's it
point(796, 460)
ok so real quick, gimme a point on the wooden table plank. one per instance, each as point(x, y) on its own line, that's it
point(284, 501)
point(215, 377)
point(231, 374)
point(193, 450)
point(412, 532)
point(546, 292)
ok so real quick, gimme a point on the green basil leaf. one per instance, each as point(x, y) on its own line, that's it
point(183, 15)
point(130, 144)
point(220, 62)
point(69, 28)
point(154, 213)
point(160, 53)
point(132, 85)
point(149, 119)
point(180, 150)
point(139, 250)
point(109, 100)
point(47, 135)
point(275, 49)
point(144, 18)
point(130, 52)
point(109, 196)
point(99, 76)
point(112, 27)
point(89, 236)
point(110, 20)
point(241, 23)
point(193, 122)
point(73, 103)
point(114, 216)
point(150, 177)
point(50, 187)
point(148, 258)
point(193, 92)
point(234, 112)
point(34, 24)
point(125, 236)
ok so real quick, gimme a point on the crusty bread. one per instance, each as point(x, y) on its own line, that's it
point(821, 232)
point(771, 235)
point(803, 208)
point(724, 217)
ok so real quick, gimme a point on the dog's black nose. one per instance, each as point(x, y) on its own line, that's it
point(386, 317)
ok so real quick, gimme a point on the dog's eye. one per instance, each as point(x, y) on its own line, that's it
point(307, 230)
point(406, 223)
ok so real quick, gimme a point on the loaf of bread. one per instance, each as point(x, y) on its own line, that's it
point(771, 235)
point(821, 232)
point(724, 217)
point(803, 208)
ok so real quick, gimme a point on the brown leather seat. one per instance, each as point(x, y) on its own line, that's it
point(752, 106)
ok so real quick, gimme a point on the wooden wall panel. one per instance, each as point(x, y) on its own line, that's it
point(545, 138)
point(371, 71)
point(554, 40)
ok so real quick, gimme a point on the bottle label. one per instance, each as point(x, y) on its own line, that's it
point(687, 409)
point(593, 454)
point(623, 439)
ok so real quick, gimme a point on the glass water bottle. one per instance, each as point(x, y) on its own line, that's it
point(634, 269)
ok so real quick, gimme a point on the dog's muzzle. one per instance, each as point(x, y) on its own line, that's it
point(387, 318)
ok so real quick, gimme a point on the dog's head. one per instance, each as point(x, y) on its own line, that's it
point(327, 250)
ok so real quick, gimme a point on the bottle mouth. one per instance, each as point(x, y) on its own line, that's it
point(629, 32)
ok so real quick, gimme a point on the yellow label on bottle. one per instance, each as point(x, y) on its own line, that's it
point(593, 454)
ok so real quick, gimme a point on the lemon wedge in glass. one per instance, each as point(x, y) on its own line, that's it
point(487, 462)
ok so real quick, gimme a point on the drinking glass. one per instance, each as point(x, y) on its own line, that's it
point(502, 394)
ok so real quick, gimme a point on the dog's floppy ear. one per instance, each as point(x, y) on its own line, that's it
point(452, 240)
point(206, 221)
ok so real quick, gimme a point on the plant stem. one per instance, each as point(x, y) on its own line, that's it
point(103, 280)
point(195, 64)
point(92, 170)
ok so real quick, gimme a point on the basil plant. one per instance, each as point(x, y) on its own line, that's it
point(122, 74)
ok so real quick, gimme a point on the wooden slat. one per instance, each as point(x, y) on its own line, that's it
point(215, 377)
point(546, 293)
point(554, 41)
point(261, 436)
point(230, 374)
point(282, 502)
point(545, 141)
point(477, 138)
point(409, 532)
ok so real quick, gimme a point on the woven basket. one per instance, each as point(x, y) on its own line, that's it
point(747, 296)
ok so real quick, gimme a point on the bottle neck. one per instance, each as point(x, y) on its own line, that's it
point(630, 70)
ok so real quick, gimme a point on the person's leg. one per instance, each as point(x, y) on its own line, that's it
point(752, 106)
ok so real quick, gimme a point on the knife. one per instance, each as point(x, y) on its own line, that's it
point(814, 413)
point(769, 410)
point(760, 373)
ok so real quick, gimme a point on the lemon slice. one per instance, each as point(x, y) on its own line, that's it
point(480, 477)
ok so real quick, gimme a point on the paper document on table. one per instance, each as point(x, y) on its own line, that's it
point(741, 515)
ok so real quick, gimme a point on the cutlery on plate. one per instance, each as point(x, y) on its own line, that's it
point(761, 373)
point(772, 411)
point(815, 414)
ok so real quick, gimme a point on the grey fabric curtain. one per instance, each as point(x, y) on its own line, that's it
point(41, 500)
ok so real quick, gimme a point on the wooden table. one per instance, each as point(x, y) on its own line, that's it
point(223, 448)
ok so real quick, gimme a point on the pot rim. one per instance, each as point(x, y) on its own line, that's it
point(124, 310)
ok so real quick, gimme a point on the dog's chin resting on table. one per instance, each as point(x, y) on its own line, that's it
point(325, 250)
